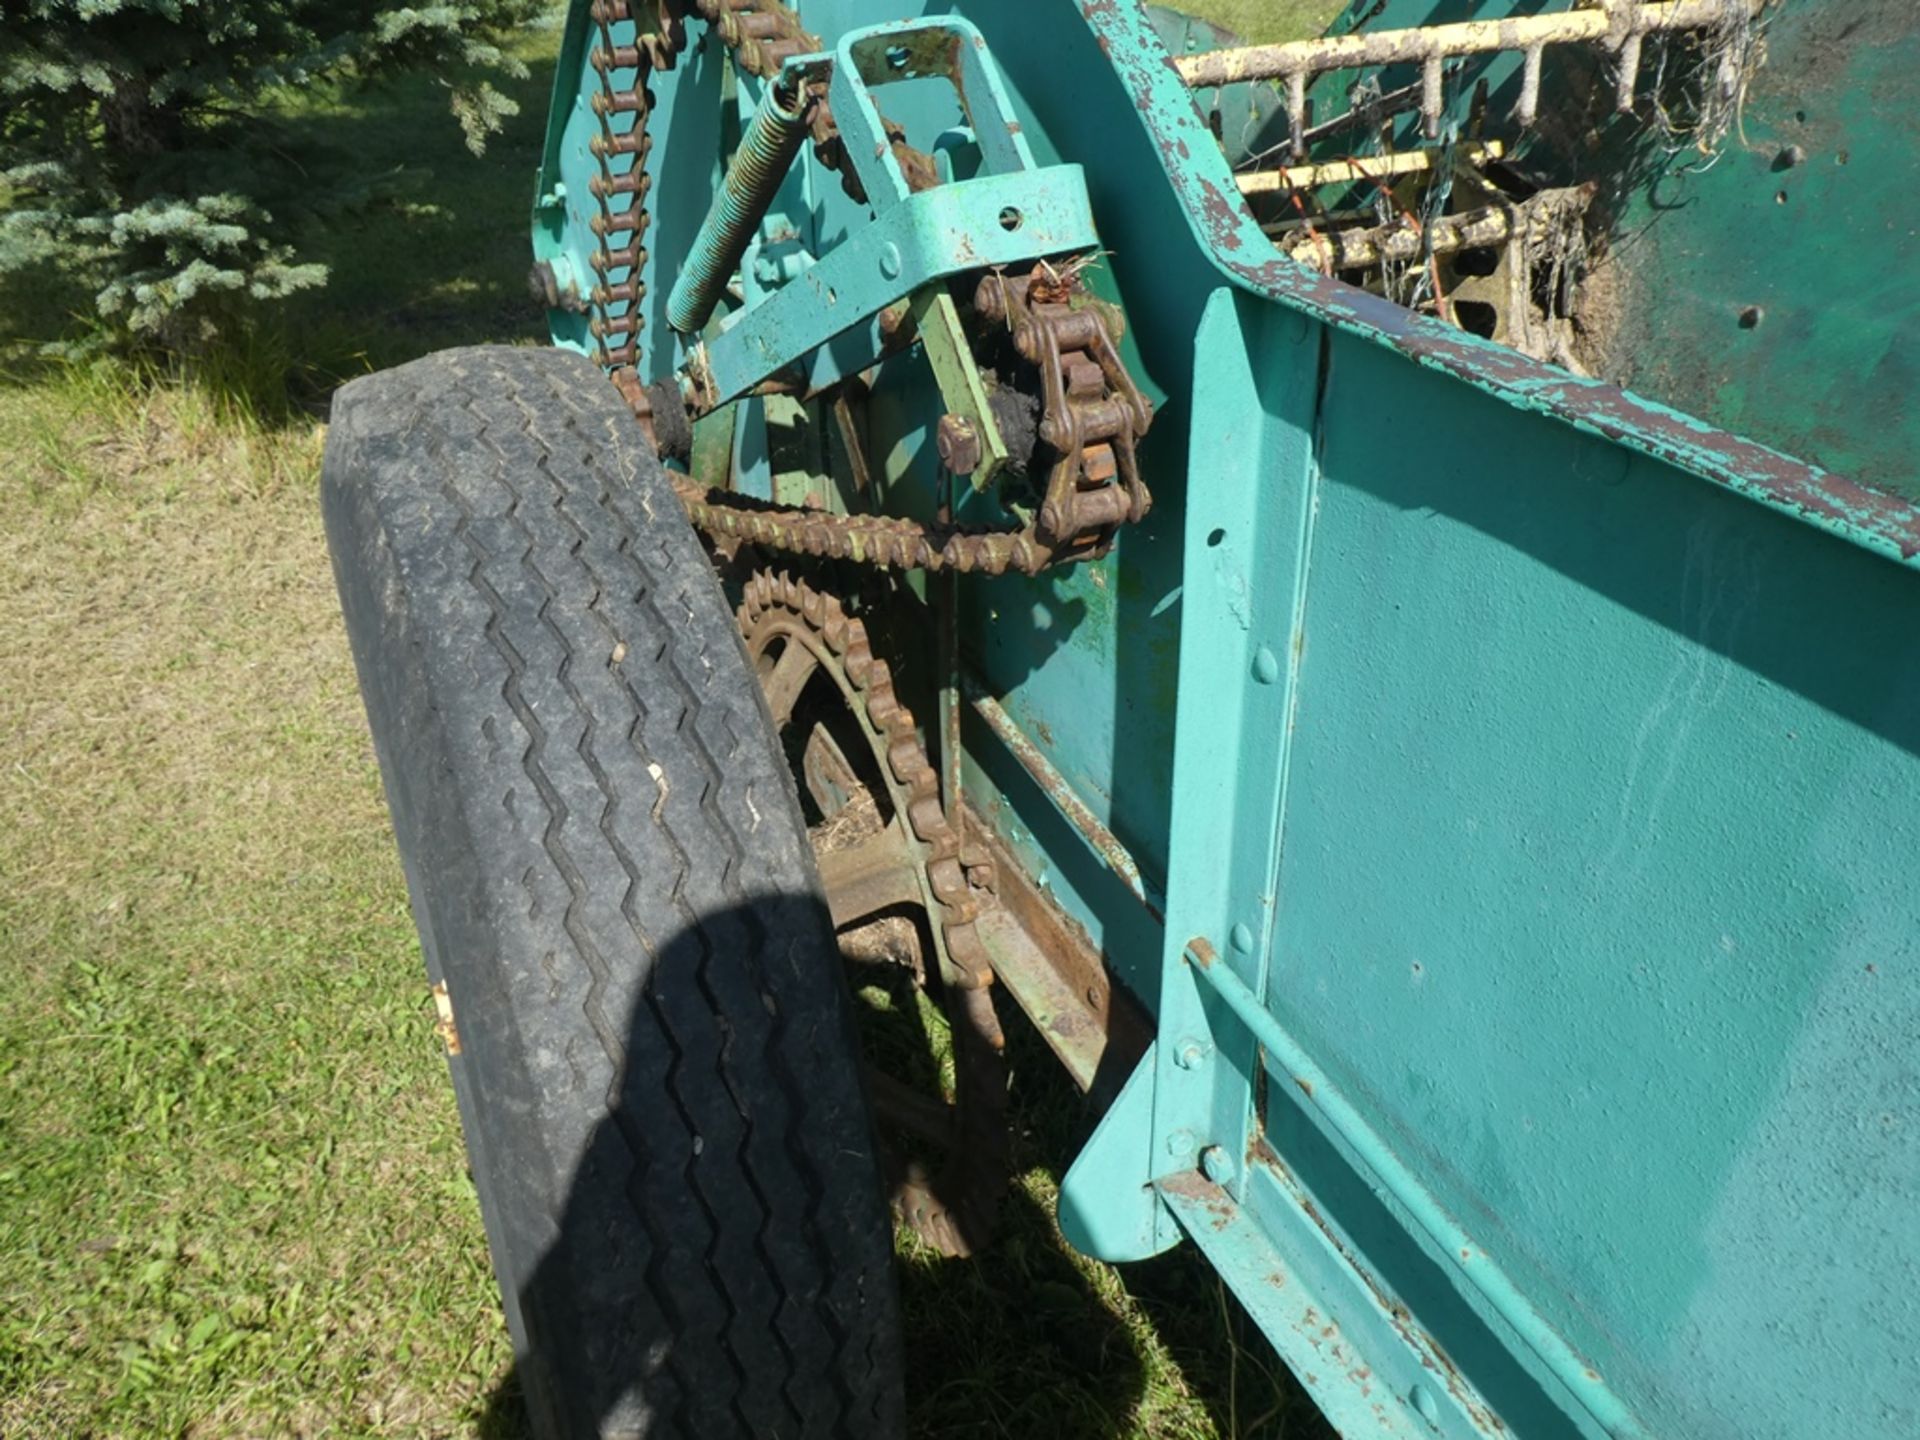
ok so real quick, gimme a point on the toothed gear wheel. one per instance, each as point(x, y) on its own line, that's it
point(846, 730)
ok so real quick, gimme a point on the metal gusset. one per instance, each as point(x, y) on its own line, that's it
point(765, 155)
point(1620, 25)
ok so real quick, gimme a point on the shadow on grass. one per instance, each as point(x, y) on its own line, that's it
point(1029, 1339)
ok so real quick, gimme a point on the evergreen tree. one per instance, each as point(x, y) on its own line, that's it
point(139, 150)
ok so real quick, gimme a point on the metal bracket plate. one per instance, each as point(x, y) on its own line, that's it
point(937, 233)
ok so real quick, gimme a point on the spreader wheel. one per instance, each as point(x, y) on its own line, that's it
point(638, 984)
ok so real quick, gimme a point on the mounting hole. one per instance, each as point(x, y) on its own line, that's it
point(832, 298)
point(1476, 317)
point(1842, 158)
point(1780, 198)
point(1477, 263)
point(898, 55)
point(1011, 218)
point(1214, 538)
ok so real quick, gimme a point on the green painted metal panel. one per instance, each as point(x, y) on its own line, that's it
point(1597, 894)
point(1772, 292)
point(1765, 288)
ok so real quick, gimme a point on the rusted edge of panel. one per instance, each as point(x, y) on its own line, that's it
point(1051, 968)
point(1337, 1372)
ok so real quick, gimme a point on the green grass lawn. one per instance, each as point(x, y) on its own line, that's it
point(233, 1200)
point(1263, 22)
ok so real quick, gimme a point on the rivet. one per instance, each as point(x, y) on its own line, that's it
point(890, 260)
point(1191, 1054)
point(1241, 937)
point(1216, 1165)
point(1266, 665)
point(1423, 1404)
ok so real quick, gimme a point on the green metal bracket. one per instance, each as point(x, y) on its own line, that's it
point(1109, 1208)
point(937, 319)
point(824, 322)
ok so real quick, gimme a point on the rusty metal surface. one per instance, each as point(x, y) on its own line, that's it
point(1057, 976)
point(1405, 238)
point(1105, 843)
point(1374, 167)
point(1092, 415)
point(885, 541)
point(794, 633)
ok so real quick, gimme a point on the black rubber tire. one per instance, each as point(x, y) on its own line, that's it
point(657, 1070)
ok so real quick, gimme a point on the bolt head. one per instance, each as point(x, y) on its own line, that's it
point(1181, 1145)
point(1192, 1054)
point(1217, 1165)
point(958, 443)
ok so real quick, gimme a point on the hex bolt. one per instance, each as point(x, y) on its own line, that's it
point(958, 443)
point(1192, 1054)
point(1217, 1165)
point(1181, 1145)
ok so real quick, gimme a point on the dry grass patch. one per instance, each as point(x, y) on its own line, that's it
point(232, 1198)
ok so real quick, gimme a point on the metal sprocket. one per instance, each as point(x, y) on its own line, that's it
point(804, 643)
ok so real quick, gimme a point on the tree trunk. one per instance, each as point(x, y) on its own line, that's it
point(134, 124)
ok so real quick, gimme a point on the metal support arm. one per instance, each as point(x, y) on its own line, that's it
point(996, 220)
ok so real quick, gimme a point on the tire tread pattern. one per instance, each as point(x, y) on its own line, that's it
point(658, 1074)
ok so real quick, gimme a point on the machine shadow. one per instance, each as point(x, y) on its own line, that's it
point(1023, 1338)
point(1030, 1338)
